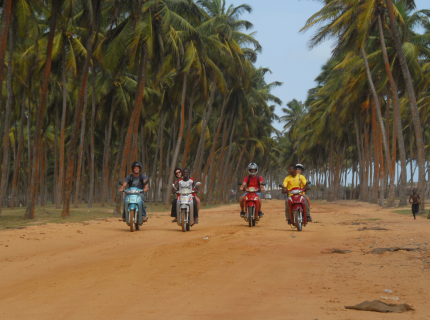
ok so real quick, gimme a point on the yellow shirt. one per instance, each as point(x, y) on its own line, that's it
point(291, 182)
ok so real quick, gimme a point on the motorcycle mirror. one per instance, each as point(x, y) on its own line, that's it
point(120, 183)
point(239, 183)
point(263, 184)
point(198, 184)
point(281, 186)
point(173, 185)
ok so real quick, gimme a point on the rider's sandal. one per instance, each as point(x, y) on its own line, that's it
point(144, 219)
point(175, 220)
point(196, 221)
point(242, 214)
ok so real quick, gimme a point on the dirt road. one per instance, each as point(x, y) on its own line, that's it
point(99, 270)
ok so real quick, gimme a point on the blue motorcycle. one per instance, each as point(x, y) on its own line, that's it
point(135, 207)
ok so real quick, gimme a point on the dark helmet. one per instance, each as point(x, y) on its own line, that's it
point(300, 167)
point(253, 166)
point(136, 164)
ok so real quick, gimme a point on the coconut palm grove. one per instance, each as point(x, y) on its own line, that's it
point(88, 87)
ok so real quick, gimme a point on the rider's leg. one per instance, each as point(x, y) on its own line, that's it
point(242, 205)
point(198, 202)
point(195, 209)
point(260, 213)
point(142, 196)
point(308, 209)
point(287, 211)
point(173, 211)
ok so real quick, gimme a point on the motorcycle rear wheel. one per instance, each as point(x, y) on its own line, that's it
point(131, 220)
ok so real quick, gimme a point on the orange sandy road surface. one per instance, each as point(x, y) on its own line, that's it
point(100, 270)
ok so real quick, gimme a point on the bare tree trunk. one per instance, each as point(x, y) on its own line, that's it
point(92, 156)
point(135, 117)
point(94, 18)
point(115, 167)
point(60, 186)
point(181, 130)
point(413, 103)
point(190, 124)
point(4, 178)
point(107, 154)
point(81, 148)
point(6, 17)
point(153, 184)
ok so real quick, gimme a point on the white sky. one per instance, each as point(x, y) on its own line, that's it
point(285, 50)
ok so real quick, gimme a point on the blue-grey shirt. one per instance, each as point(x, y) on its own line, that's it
point(136, 182)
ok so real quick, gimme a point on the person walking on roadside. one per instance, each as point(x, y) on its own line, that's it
point(414, 199)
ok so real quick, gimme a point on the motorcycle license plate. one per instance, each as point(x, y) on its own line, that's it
point(184, 199)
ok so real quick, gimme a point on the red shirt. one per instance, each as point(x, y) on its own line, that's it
point(253, 182)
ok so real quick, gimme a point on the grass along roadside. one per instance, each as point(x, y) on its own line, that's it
point(12, 219)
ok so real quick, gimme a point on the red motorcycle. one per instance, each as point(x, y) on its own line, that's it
point(297, 205)
point(252, 204)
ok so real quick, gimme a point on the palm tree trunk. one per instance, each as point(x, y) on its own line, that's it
point(107, 154)
point(94, 18)
point(413, 103)
point(18, 155)
point(153, 184)
point(135, 116)
point(159, 174)
point(81, 149)
point(216, 136)
point(376, 153)
point(181, 131)
point(115, 167)
point(6, 16)
point(396, 114)
point(60, 186)
point(42, 173)
point(4, 177)
point(190, 123)
point(92, 155)
point(378, 110)
point(205, 120)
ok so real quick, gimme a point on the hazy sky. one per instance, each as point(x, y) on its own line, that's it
point(285, 50)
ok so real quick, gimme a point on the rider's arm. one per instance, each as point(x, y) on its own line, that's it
point(243, 186)
point(146, 186)
point(261, 181)
point(121, 189)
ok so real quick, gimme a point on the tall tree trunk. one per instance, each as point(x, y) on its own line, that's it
point(181, 131)
point(42, 173)
point(135, 116)
point(413, 103)
point(205, 120)
point(18, 156)
point(4, 178)
point(94, 18)
point(376, 153)
point(159, 174)
point(60, 186)
point(115, 167)
point(216, 136)
point(92, 155)
point(81, 149)
point(153, 184)
point(397, 121)
point(378, 110)
point(6, 16)
point(190, 124)
point(107, 154)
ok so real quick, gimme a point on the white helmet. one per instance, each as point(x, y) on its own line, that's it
point(300, 167)
point(253, 166)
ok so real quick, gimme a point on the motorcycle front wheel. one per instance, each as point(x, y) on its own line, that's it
point(183, 223)
point(131, 220)
point(250, 212)
point(298, 220)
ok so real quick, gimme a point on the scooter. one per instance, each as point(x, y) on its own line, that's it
point(297, 205)
point(252, 203)
point(135, 203)
point(184, 207)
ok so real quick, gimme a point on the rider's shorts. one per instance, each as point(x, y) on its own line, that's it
point(258, 193)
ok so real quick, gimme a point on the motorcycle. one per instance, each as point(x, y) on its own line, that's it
point(252, 202)
point(135, 203)
point(184, 207)
point(297, 206)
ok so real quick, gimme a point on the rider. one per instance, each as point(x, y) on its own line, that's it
point(187, 182)
point(253, 180)
point(300, 170)
point(294, 180)
point(137, 180)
